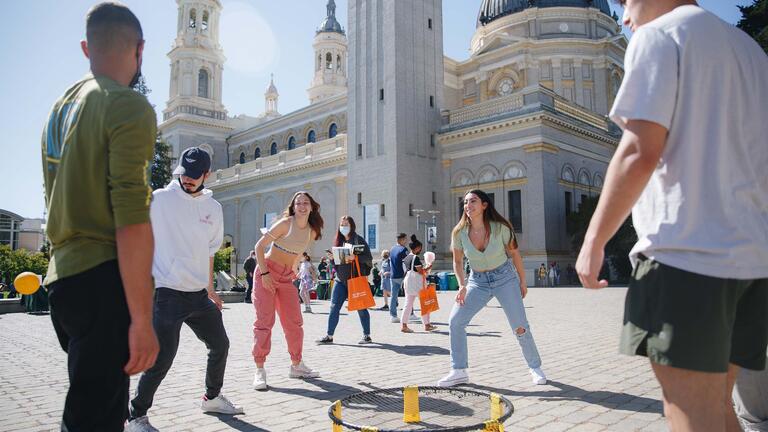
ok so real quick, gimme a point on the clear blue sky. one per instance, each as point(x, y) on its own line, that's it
point(42, 57)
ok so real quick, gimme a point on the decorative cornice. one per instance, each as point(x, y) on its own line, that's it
point(541, 147)
point(490, 185)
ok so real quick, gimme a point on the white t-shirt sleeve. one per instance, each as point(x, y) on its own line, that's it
point(649, 89)
point(217, 232)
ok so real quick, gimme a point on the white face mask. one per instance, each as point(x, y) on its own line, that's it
point(344, 230)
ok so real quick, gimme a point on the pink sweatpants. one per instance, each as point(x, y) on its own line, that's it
point(409, 300)
point(285, 301)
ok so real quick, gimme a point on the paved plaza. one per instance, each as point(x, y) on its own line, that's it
point(592, 387)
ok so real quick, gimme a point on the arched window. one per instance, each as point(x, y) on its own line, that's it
point(291, 143)
point(202, 83)
point(257, 153)
point(205, 21)
point(329, 61)
point(332, 131)
point(338, 62)
point(311, 136)
point(273, 149)
point(319, 62)
point(242, 158)
point(193, 18)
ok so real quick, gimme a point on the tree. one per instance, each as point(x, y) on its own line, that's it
point(221, 260)
point(13, 262)
point(161, 162)
point(754, 22)
point(617, 249)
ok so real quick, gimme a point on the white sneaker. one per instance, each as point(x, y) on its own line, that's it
point(394, 319)
point(538, 377)
point(414, 319)
point(260, 379)
point(456, 376)
point(140, 424)
point(302, 371)
point(221, 405)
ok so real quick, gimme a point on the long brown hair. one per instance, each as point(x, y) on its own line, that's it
point(489, 215)
point(340, 239)
point(315, 220)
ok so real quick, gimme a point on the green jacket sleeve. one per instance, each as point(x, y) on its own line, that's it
point(132, 128)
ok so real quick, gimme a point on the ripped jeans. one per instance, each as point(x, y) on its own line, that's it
point(504, 284)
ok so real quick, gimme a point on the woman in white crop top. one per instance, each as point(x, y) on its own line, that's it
point(273, 288)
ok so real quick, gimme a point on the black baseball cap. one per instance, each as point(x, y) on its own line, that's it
point(193, 163)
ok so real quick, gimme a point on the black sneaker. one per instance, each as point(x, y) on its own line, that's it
point(325, 340)
point(365, 340)
point(385, 307)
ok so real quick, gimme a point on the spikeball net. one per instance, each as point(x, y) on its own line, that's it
point(420, 409)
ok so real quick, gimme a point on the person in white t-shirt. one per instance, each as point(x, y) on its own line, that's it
point(692, 161)
point(188, 227)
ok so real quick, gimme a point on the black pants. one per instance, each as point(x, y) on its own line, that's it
point(91, 320)
point(172, 309)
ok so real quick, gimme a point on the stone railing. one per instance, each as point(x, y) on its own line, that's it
point(523, 99)
point(485, 109)
point(266, 165)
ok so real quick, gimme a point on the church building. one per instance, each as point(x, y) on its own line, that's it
point(395, 132)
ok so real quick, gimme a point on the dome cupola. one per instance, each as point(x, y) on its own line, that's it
point(494, 9)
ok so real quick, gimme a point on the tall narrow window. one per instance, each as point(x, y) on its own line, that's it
point(359, 198)
point(273, 149)
point(431, 101)
point(338, 62)
point(332, 130)
point(515, 210)
point(381, 94)
point(432, 140)
point(429, 23)
point(319, 62)
point(257, 153)
point(568, 211)
point(202, 83)
point(193, 18)
point(205, 21)
point(242, 158)
point(359, 151)
point(329, 61)
point(434, 198)
point(311, 136)
point(291, 143)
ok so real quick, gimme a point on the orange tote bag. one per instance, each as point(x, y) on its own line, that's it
point(428, 299)
point(359, 294)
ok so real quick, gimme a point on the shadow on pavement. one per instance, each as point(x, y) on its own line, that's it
point(410, 350)
point(565, 392)
point(237, 424)
point(328, 391)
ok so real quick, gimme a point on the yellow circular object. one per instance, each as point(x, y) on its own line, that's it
point(26, 283)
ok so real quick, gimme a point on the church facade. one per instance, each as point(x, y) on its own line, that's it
point(395, 132)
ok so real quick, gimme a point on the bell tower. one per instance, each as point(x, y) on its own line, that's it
point(197, 62)
point(330, 45)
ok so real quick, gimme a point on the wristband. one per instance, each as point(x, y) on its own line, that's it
point(265, 273)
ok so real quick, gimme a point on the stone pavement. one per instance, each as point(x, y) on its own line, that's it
point(592, 387)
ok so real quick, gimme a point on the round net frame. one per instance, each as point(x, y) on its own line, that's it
point(441, 409)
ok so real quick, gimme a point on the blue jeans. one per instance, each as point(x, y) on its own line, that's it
point(504, 284)
point(338, 298)
point(396, 285)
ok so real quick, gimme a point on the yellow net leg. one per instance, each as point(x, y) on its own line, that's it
point(337, 412)
point(369, 429)
point(496, 412)
point(411, 404)
point(493, 426)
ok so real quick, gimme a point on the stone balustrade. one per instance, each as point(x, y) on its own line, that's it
point(267, 165)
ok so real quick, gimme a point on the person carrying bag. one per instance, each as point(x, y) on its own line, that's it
point(414, 283)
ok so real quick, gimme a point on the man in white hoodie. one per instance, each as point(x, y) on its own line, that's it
point(188, 227)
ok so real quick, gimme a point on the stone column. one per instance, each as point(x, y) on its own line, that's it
point(578, 82)
point(557, 76)
point(599, 72)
